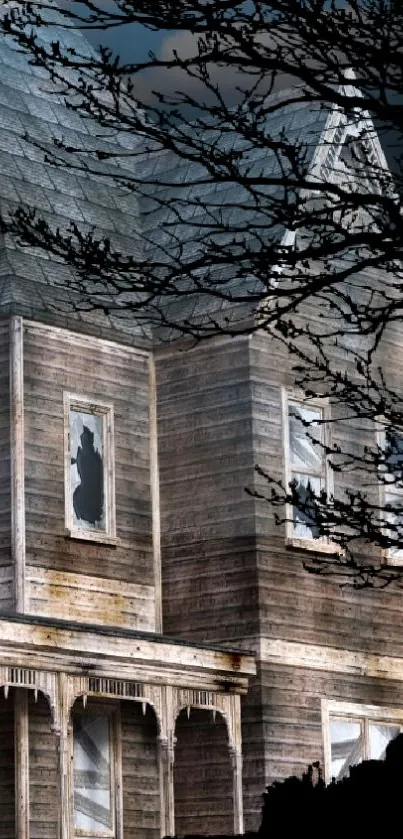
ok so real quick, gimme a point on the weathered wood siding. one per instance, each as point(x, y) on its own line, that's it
point(140, 772)
point(227, 573)
point(292, 721)
point(207, 519)
point(294, 604)
point(297, 606)
point(43, 767)
point(202, 776)
point(62, 594)
point(253, 755)
point(97, 583)
point(6, 573)
point(6, 588)
point(7, 797)
point(209, 569)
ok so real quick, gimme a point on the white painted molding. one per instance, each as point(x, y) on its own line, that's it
point(17, 467)
point(155, 495)
point(79, 339)
point(331, 659)
point(337, 120)
point(104, 654)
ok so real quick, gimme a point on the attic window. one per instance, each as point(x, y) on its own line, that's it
point(353, 153)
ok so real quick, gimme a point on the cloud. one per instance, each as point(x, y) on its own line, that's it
point(229, 80)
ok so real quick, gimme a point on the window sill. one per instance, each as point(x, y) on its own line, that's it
point(389, 559)
point(313, 545)
point(91, 536)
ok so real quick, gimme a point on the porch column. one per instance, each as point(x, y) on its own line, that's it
point(236, 762)
point(21, 748)
point(62, 731)
point(166, 754)
point(232, 706)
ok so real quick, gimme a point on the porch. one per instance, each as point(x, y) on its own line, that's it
point(112, 733)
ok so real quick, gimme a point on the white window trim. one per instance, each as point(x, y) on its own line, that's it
point(111, 710)
point(323, 545)
point(350, 711)
point(76, 402)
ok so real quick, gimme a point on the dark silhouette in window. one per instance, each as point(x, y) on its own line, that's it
point(88, 497)
point(306, 513)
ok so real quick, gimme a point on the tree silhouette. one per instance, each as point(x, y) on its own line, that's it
point(254, 217)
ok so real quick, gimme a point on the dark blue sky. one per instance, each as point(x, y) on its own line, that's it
point(131, 42)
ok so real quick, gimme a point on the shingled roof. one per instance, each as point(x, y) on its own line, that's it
point(35, 284)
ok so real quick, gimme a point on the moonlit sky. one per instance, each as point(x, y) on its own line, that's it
point(134, 42)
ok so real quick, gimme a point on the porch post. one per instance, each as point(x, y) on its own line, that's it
point(166, 751)
point(233, 717)
point(166, 756)
point(21, 748)
point(236, 761)
point(63, 733)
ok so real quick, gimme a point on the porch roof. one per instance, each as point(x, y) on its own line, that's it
point(58, 645)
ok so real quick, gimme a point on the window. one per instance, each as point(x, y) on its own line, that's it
point(391, 490)
point(306, 467)
point(89, 469)
point(353, 733)
point(94, 772)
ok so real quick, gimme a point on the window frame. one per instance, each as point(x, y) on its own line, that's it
point(75, 402)
point(324, 544)
point(112, 712)
point(388, 557)
point(351, 712)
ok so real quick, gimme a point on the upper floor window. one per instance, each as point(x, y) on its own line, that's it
point(89, 469)
point(306, 468)
point(391, 490)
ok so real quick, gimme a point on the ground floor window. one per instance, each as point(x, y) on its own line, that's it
point(353, 733)
point(94, 773)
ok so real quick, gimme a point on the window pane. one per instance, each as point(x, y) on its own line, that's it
point(395, 522)
point(380, 735)
point(92, 774)
point(346, 747)
point(394, 454)
point(87, 474)
point(307, 488)
point(304, 454)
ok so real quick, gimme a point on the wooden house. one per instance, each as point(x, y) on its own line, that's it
point(163, 654)
point(108, 727)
